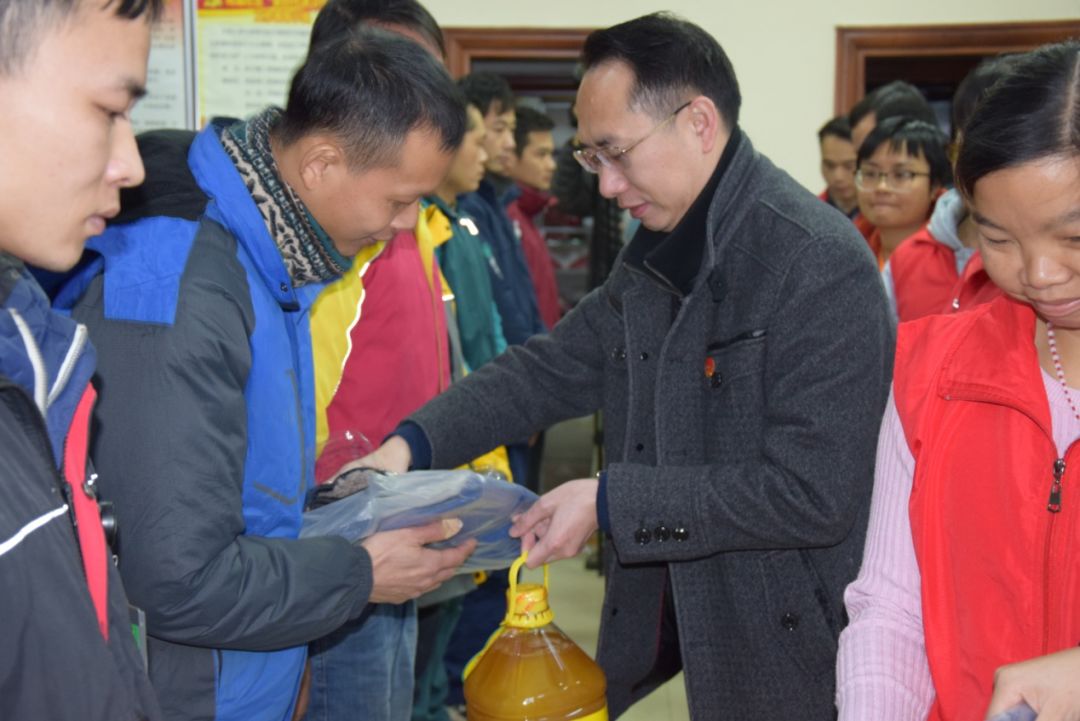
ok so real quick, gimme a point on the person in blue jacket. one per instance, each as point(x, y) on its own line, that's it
point(510, 278)
point(199, 299)
point(67, 651)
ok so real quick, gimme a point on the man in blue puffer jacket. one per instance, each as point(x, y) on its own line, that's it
point(199, 298)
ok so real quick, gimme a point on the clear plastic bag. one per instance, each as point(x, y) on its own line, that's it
point(363, 501)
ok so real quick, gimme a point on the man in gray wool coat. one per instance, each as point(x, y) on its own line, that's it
point(741, 352)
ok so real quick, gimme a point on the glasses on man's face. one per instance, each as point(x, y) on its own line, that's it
point(611, 156)
point(899, 180)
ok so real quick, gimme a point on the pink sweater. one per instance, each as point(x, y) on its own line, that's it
point(882, 671)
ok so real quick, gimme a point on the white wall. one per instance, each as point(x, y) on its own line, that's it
point(783, 50)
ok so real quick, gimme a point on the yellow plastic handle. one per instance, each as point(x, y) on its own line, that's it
point(515, 568)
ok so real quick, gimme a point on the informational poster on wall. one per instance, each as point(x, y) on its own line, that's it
point(170, 102)
point(247, 52)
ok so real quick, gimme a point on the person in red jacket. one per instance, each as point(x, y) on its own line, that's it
point(902, 169)
point(381, 350)
point(971, 559)
point(895, 99)
point(532, 170)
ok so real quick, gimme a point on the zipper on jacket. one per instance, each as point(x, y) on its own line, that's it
point(1054, 507)
point(1046, 585)
point(1054, 504)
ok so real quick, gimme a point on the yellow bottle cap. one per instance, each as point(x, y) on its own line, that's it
point(528, 607)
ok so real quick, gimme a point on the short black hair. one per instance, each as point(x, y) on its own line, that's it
point(21, 22)
point(1031, 113)
point(338, 17)
point(893, 100)
point(529, 120)
point(370, 88)
point(915, 137)
point(972, 88)
point(670, 58)
point(487, 90)
point(838, 127)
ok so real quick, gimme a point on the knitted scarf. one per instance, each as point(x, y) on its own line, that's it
point(309, 254)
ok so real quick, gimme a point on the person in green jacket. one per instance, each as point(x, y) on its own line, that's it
point(465, 257)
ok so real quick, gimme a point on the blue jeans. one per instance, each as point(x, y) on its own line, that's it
point(364, 670)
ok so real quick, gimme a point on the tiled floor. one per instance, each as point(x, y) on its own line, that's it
point(576, 593)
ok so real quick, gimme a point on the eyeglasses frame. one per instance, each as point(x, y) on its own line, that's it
point(609, 156)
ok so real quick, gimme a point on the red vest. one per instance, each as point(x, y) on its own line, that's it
point(400, 356)
point(1000, 572)
point(924, 275)
point(88, 530)
point(973, 288)
point(926, 282)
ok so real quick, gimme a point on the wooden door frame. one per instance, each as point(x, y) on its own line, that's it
point(854, 45)
point(465, 44)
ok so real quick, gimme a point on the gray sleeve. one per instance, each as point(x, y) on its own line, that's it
point(526, 389)
point(827, 367)
point(170, 446)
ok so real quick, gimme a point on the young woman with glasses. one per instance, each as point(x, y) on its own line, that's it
point(902, 168)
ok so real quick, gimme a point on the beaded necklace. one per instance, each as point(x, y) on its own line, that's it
point(1057, 367)
point(1054, 506)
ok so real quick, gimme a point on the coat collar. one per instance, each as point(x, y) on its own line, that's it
point(234, 208)
point(46, 354)
point(498, 190)
point(532, 201)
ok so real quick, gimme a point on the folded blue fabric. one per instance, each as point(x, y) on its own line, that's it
point(484, 503)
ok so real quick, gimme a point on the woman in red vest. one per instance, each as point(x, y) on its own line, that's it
point(972, 559)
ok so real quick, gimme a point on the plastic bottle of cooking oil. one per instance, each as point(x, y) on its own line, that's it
point(530, 670)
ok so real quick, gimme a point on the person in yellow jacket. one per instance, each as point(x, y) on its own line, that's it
point(381, 347)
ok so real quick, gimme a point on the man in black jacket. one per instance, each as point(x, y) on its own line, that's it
point(741, 351)
point(68, 651)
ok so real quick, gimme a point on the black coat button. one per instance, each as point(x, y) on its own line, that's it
point(284, 287)
point(639, 447)
point(680, 534)
point(642, 536)
point(716, 379)
point(789, 621)
point(619, 354)
point(662, 534)
point(644, 356)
